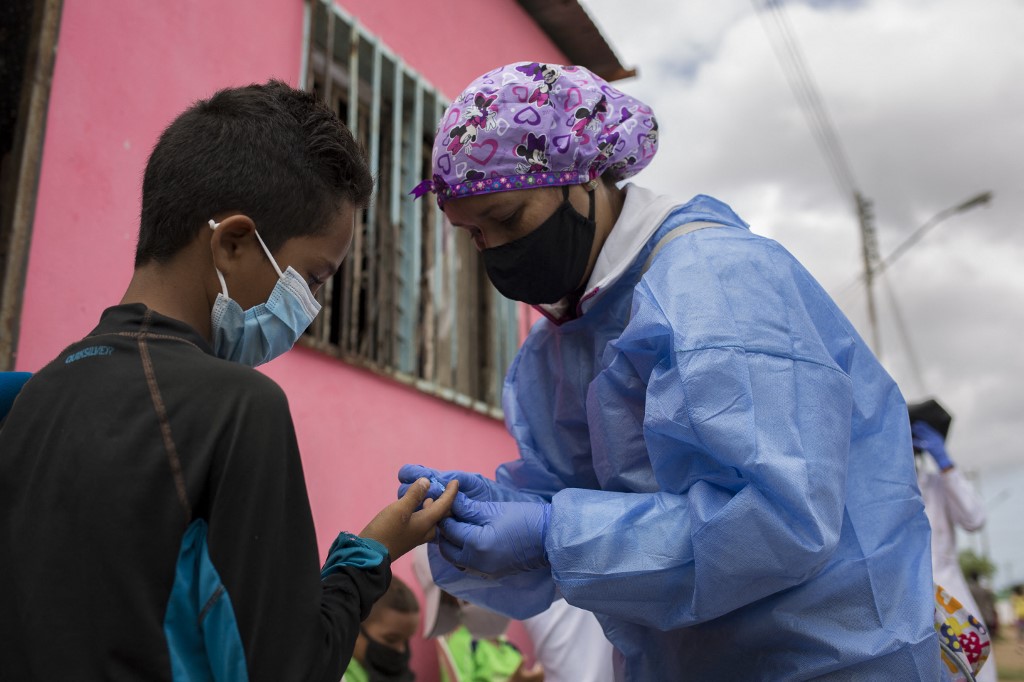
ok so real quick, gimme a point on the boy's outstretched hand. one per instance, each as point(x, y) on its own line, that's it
point(400, 527)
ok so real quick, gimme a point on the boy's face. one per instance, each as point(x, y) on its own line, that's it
point(391, 628)
point(315, 257)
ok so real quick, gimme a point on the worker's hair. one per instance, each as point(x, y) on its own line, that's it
point(274, 153)
point(398, 598)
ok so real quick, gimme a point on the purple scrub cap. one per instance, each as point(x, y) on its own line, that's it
point(531, 125)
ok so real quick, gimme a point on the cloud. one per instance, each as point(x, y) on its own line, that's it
point(926, 98)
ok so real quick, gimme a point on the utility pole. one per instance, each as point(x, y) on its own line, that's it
point(875, 265)
point(869, 251)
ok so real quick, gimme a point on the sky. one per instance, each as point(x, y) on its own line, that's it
point(927, 100)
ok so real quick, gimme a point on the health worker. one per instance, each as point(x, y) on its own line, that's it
point(711, 458)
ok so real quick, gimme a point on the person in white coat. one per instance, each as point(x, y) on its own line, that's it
point(949, 501)
point(570, 644)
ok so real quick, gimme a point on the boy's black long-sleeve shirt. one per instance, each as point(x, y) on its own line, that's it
point(155, 525)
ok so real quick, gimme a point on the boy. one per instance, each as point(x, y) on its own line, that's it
point(155, 517)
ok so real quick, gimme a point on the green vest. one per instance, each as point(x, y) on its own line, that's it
point(355, 673)
point(478, 660)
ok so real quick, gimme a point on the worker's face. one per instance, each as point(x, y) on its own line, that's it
point(495, 220)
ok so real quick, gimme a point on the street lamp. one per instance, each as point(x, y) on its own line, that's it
point(873, 265)
point(980, 200)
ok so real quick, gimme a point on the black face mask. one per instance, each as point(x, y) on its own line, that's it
point(547, 264)
point(384, 664)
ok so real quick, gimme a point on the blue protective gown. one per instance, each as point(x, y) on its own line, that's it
point(730, 473)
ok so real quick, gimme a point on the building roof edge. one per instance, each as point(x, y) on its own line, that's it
point(570, 28)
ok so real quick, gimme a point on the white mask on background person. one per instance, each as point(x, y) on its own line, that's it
point(483, 623)
point(267, 330)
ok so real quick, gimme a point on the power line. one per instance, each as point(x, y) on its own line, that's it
point(787, 50)
point(794, 67)
point(775, 22)
point(901, 327)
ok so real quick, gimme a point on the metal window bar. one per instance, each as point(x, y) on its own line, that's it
point(390, 271)
point(442, 313)
point(412, 301)
point(371, 211)
point(327, 311)
point(409, 249)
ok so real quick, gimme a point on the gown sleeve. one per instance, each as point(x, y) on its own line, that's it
point(962, 503)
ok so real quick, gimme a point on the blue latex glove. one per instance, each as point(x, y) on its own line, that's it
point(495, 539)
point(474, 486)
point(926, 438)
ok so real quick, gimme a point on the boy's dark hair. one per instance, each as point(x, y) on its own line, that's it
point(277, 154)
point(398, 598)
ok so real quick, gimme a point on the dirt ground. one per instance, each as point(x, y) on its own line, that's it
point(1010, 657)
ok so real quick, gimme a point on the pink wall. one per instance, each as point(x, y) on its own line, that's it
point(124, 70)
point(451, 42)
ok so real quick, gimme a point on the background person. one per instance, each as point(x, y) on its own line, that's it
point(570, 644)
point(470, 639)
point(382, 649)
point(949, 501)
point(1017, 602)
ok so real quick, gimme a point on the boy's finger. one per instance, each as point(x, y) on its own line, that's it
point(442, 505)
point(415, 495)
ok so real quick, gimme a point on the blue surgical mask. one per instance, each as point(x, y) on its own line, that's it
point(265, 331)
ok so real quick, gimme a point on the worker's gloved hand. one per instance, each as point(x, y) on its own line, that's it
point(927, 438)
point(474, 486)
point(495, 539)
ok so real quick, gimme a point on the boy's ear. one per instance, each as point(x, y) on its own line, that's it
point(232, 242)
